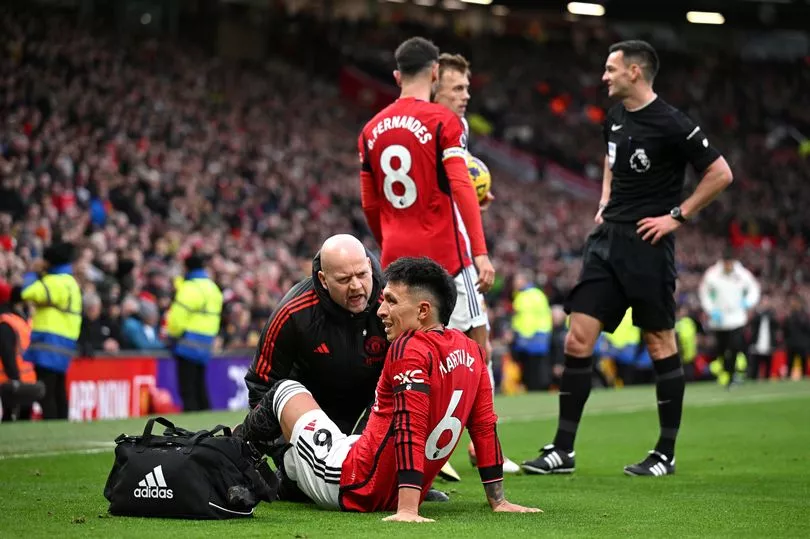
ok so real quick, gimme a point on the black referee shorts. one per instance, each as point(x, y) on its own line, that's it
point(620, 270)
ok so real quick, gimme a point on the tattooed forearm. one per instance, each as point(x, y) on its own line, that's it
point(494, 492)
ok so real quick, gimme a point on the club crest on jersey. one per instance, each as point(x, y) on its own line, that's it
point(375, 349)
point(410, 377)
point(639, 161)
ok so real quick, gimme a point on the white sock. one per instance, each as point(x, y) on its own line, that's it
point(284, 392)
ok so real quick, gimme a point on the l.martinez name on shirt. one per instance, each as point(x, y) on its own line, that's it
point(456, 358)
point(419, 130)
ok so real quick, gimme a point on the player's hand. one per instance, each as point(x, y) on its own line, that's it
point(487, 202)
point(486, 273)
point(508, 507)
point(655, 228)
point(407, 517)
point(598, 217)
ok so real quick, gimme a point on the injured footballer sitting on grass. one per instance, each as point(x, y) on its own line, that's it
point(434, 384)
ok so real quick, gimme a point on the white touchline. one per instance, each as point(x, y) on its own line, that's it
point(716, 401)
point(102, 447)
point(97, 447)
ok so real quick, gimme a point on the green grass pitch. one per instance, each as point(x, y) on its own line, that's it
point(743, 471)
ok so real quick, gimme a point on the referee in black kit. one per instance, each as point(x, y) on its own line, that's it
point(629, 259)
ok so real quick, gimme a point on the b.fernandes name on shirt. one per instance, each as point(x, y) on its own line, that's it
point(455, 359)
point(410, 123)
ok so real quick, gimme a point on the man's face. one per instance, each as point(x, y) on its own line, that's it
point(349, 282)
point(619, 77)
point(453, 91)
point(728, 266)
point(399, 311)
point(93, 311)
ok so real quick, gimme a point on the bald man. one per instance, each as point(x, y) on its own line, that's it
point(325, 333)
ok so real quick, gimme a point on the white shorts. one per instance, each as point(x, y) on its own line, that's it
point(471, 309)
point(316, 457)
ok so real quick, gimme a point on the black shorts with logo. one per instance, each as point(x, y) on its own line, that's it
point(620, 270)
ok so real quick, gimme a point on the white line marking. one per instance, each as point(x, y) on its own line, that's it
point(99, 447)
point(628, 409)
point(92, 448)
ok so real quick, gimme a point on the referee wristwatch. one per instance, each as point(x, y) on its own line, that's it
point(676, 214)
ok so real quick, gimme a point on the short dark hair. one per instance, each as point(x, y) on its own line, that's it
point(59, 253)
point(195, 261)
point(415, 54)
point(425, 274)
point(641, 53)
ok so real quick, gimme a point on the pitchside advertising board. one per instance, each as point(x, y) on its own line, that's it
point(118, 387)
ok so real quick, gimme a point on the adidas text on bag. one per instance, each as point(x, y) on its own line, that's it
point(154, 485)
point(183, 474)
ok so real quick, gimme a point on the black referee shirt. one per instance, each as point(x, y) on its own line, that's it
point(648, 150)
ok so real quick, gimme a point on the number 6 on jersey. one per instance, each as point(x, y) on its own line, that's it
point(398, 176)
point(448, 422)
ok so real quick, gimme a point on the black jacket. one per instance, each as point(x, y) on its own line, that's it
point(95, 332)
point(797, 331)
point(338, 356)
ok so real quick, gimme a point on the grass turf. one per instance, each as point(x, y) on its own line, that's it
point(743, 471)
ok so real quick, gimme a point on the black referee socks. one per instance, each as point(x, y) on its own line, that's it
point(669, 389)
point(575, 387)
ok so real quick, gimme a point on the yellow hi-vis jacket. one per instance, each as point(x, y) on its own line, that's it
point(194, 317)
point(57, 321)
point(686, 330)
point(532, 322)
point(625, 339)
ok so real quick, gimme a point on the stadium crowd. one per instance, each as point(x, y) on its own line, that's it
point(141, 153)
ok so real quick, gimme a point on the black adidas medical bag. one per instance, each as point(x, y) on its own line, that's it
point(184, 474)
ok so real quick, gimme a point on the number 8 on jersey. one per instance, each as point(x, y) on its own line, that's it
point(398, 176)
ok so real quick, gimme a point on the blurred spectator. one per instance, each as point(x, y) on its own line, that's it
point(764, 330)
point(193, 322)
point(728, 294)
point(98, 333)
point(140, 328)
point(18, 380)
point(532, 327)
point(141, 152)
point(56, 324)
point(686, 330)
point(797, 336)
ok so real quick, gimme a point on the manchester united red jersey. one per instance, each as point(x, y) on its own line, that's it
point(433, 385)
point(416, 190)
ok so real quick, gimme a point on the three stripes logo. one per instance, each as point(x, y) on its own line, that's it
point(658, 469)
point(554, 460)
point(153, 485)
point(322, 349)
